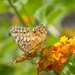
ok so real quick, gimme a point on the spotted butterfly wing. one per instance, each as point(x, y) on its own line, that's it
point(38, 35)
point(21, 35)
point(26, 38)
point(29, 40)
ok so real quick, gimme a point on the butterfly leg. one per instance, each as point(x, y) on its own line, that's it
point(27, 55)
point(19, 59)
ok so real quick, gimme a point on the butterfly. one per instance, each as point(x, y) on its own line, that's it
point(30, 41)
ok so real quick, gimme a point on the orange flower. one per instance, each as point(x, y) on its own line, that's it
point(54, 57)
point(63, 58)
point(15, 20)
point(27, 20)
point(50, 60)
point(72, 49)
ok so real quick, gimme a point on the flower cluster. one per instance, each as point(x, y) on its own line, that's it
point(53, 58)
point(25, 18)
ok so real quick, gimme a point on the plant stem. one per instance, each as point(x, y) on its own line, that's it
point(21, 20)
point(25, 12)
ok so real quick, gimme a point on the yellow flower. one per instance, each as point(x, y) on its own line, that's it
point(57, 57)
point(57, 44)
point(72, 41)
point(63, 39)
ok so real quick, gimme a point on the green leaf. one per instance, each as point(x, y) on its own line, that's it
point(71, 68)
point(14, 1)
point(30, 7)
point(6, 70)
point(49, 9)
point(3, 6)
point(51, 40)
point(54, 14)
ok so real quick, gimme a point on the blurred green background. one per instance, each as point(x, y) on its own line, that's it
point(58, 16)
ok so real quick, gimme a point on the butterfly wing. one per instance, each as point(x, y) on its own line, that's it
point(30, 41)
point(38, 35)
point(21, 35)
point(26, 38)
